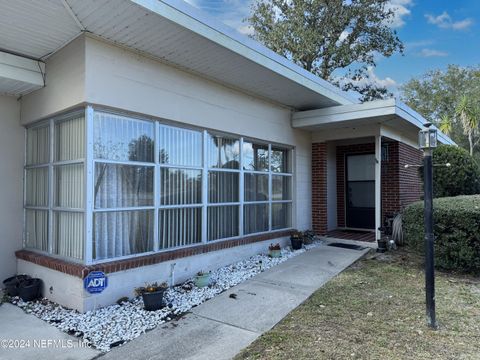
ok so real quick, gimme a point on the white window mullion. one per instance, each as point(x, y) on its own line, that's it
point(89, 181)
point(204, 188)
point(270, 187)
point(51, 186)
point(241, 190)
point(156, 188)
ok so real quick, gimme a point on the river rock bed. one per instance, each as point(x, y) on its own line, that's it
point(114, 325)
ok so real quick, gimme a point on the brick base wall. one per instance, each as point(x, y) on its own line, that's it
point(81, 271)
point(319, 188)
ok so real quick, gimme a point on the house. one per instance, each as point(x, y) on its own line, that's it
point(142, 139)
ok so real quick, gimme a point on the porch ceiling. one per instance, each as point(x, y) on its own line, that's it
point(390, 113)
point(171, 31)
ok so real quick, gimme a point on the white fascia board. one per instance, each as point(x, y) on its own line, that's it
point(371, 109)
point(343, 113)
point(198, 22)
point(22, 69)
point(418, 120)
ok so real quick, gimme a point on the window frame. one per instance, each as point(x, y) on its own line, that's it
point(89, 162)
point(52, 163)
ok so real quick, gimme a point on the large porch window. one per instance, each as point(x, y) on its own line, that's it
point(102, 186)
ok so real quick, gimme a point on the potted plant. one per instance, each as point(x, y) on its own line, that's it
point(274, 250)
point(30, 289)
point(308, 237)
point(202, 279)
point(152, 295)
point(12, 284)
point(296, 239)
point(382, 243)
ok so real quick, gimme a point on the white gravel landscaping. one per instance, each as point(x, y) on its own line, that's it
point(115, 324)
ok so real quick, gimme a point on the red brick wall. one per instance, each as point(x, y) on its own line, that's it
point(341, 152)
point(399, 186)
point(390, 178)
point(411, 188)
point(319, 188)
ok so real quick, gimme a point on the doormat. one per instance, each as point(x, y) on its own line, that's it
point(347, 246)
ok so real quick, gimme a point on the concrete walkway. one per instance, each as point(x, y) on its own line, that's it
point(221, 327)
point(26, 337)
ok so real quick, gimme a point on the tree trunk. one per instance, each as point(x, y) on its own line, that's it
point(470, 142)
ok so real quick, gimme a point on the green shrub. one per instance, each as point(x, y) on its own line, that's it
point(461, 178)
point(456, 228)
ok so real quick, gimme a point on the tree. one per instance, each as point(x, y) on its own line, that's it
point(323, 36)
point(437, 94)
point(467, 112)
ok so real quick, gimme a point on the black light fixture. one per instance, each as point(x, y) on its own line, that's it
point(428, 142)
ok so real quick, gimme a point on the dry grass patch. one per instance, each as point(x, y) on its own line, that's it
point(376, 310)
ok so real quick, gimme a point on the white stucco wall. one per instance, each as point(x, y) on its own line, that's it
point(11, 180)
point(89, 71)
point(65, 84)
point(122, 79)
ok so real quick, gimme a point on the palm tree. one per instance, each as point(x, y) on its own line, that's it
point(446, 124)
point(468, 112)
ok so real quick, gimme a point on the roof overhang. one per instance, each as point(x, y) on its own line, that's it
point(171, 31)
point(20, 75)
point(390, 113)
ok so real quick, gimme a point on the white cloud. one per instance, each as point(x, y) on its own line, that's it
point(417, 44)
point(445, 21)
point(192, 2)
point(245, 30)
point(230, 12)
point(401, 9)
point(432, 53)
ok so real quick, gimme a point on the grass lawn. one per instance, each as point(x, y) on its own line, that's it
point(376, 310)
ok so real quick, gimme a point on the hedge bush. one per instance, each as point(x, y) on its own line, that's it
point(456, 228)
point(461, 178)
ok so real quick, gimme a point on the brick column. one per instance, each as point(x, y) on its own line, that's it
point(319, 188)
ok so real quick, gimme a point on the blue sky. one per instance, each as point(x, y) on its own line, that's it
point(435, 33)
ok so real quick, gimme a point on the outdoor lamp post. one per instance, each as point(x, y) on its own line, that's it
point(428, 142)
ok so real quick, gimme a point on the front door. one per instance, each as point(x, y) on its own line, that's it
point(360, 191)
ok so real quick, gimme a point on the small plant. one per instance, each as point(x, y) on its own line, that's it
point(202, 278)
point(152, 295)
point(296, 234)
point(296, 238)
point(274, 247)
point(151, 288)
point(274, 250)
point(308, 237)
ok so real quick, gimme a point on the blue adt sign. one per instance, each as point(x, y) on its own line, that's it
point(95, 282)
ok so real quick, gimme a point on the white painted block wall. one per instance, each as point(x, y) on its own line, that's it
point(89, 71)
point(68, 290)
point(11, 184)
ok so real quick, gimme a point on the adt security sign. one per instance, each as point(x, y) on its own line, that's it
point(95, 282)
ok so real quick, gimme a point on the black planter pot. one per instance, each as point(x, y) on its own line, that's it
point(153, 300)
point(12, 284)
point(296, 243)
point(382, 245)
point(30, 289)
